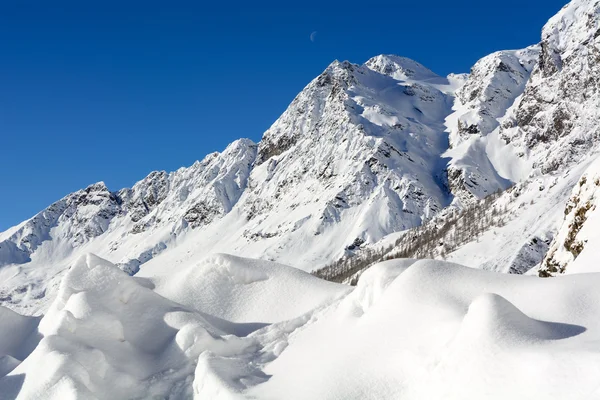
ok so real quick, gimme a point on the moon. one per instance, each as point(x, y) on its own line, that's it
point(313, 36)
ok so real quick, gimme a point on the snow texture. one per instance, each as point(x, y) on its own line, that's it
point(361, 155)
point(410, 329)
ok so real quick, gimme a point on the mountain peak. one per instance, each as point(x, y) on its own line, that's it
point(574, 27)
point(400, 68)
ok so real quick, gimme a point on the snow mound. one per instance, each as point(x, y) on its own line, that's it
point(245, 290)
point(411, 329)
point(434, 330)
point(107, 337)
point(18, 337)
point(493, 318)
point(374, 282)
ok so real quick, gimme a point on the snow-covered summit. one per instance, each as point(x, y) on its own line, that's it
point(493, 85)
point(400, 68)
point(556, 120)
point(362, 152)
point(407, 70)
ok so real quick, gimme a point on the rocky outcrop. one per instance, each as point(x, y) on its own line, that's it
point(572, 238)
point(558, 115)
point(493, 85)
point(82, 215)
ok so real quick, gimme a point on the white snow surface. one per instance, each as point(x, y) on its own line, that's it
point(244, 290)
point(410, 329)
point(362, 154)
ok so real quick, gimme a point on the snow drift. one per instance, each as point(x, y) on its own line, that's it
point(410, 329)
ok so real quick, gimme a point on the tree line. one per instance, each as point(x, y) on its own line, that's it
point(434, 239)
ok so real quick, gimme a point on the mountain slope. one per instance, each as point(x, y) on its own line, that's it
point(556, 120)
point(481, 163)
point(356, 156)
point(362, 153)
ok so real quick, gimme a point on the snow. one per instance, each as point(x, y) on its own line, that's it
point(362, 154)
point(18, 337)
point(481, 162)
point(574, 248)
point(356, 156)
point(438, 330)
point(107, 336)
point(534, 212)
point(411, 328)
point(245, 291)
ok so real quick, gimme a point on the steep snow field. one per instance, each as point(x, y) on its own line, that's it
point(410, 329)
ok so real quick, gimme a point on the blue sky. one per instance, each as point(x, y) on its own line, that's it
point(111, 91)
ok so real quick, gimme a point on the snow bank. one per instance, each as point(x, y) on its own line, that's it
point(108, 337)
point(435, 330)
point(245, 290)
point(18, 337)
point(411, 329)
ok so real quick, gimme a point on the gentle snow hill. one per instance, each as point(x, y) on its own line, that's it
point(244, 290)
point(434, 330)
point(410, 329)
point(108, 336)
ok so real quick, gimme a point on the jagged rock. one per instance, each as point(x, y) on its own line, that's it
point(570, 240)
point(558, 113)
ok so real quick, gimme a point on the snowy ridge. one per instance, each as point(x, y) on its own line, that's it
point(84, 215)
point(493, 85)
point(356, 156)
point(479, 158)
point(556, 119)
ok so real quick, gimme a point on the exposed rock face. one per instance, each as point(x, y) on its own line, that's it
point(145, 195)
point(558, 115)
point(493, 85)
point(82, 216)
point(572, 237)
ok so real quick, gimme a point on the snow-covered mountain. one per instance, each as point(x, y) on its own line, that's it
point(362, 153)
point(356, 156)
point(365, 159)
point(480, 163)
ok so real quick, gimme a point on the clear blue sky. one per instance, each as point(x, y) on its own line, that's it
point(110, 91)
